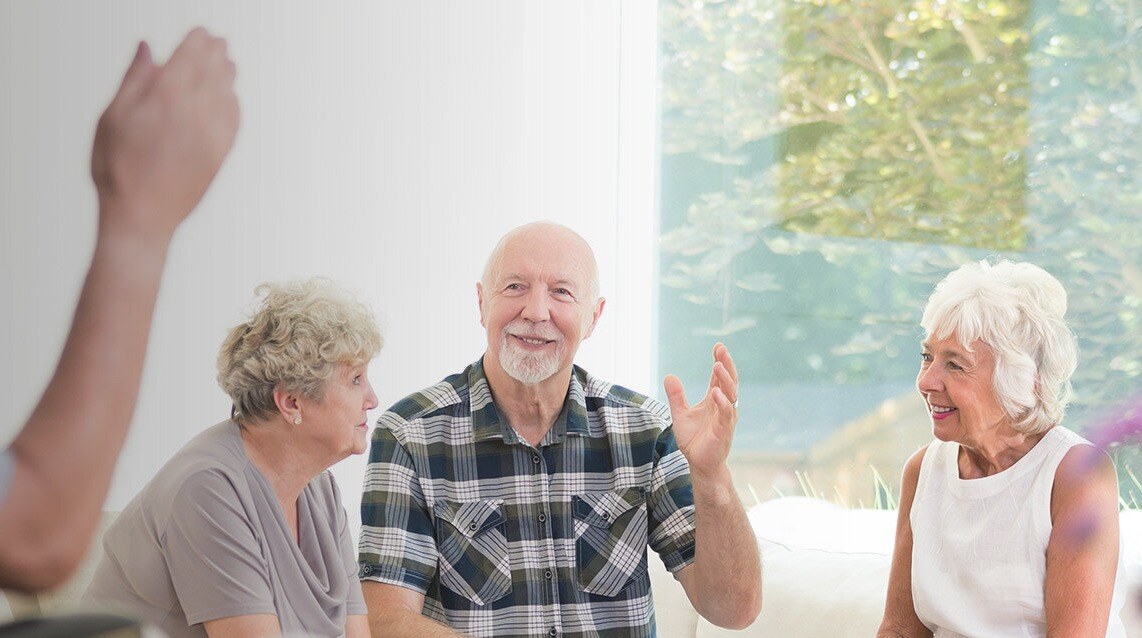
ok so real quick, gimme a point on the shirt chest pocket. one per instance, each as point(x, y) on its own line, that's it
point(610, 539)
point(473, 547)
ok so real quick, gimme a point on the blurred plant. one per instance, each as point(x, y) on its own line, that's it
point(884, 496)
point(1131, 494)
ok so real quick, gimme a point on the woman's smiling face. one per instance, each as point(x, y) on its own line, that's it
point(957, 384)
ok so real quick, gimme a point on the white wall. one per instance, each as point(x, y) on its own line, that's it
point(385, 145)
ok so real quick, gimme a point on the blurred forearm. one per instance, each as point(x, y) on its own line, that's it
point(65, 455)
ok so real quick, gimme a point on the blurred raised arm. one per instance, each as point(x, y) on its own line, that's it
point(157, 148)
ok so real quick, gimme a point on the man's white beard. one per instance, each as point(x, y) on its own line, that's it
point(529, 368)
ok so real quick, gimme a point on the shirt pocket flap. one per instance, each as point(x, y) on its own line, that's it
point(603, 509)
point(471, 518)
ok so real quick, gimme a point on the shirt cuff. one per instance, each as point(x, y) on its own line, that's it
point(391, 575)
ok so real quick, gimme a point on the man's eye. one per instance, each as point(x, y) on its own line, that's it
point(955, 366)
point(925, 357)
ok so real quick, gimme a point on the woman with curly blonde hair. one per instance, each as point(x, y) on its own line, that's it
point(242, 532)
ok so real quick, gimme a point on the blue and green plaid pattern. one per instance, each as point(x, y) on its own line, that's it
point(506, 539)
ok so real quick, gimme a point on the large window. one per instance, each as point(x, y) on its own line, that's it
point(825, 162)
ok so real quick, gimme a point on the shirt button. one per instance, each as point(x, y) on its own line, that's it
point(542, 518)
point(535, 459)
point(472, 526)
point(552, 632)
point(547, 574)
point(606, 516)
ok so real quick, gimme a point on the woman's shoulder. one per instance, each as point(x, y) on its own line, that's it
point(210, 467)
point(1085, 477)
point(1084, 468)
point(1071, 458)
point(219, 444)
point(913, 466)
point(915, 462)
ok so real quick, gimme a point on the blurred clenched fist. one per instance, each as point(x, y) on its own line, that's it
point(164, 136)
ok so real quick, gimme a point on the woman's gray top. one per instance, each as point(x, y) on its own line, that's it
point(206, 539)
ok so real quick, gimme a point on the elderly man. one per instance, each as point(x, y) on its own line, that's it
point(518, 497)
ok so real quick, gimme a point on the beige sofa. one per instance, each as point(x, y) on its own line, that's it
point(825, 574)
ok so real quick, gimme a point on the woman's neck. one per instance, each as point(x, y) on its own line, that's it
point(282, 462)
point(996, 453)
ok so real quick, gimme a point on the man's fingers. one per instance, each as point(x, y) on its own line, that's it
point(714, 372)
point(725, 382)
point(714, 375)
point(727, 360)
point(675, 394)
point(721, 400)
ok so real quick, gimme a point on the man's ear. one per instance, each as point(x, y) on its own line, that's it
point(595, 314)
point(480, 303)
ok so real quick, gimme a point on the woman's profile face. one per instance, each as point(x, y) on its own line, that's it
point(958, 389)
point(338, 424)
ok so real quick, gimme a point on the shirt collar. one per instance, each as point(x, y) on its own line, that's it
point(486, 421)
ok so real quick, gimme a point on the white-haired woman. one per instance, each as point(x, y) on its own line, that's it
point(242, 532)
point(1008, 522)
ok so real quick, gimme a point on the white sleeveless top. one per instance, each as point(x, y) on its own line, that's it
point(979, 546)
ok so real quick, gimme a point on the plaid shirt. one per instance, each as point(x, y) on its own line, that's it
point(506, 539)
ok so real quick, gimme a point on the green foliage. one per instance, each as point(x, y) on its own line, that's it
point(827, 161)
point(886, 498)
point(879, 120)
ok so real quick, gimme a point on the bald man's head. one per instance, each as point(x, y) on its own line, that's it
point(539, 298)
point(542, 235)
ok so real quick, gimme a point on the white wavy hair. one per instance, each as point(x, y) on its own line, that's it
point(1017, 309)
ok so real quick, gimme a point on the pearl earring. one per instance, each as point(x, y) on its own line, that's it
point(297, 420)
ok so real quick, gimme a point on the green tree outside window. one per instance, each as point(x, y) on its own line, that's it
point(825, 162)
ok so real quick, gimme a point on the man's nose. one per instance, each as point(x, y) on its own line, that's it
point(535, 305)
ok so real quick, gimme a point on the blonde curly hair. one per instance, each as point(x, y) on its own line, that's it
point(295, 340)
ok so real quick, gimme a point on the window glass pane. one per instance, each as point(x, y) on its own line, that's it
point(824, 163)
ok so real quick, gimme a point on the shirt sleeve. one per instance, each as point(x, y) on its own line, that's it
point(397, 544)
point(212, 553)
point(670, 504)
